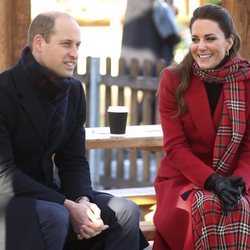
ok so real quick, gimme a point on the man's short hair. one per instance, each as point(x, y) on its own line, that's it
point(43, 24)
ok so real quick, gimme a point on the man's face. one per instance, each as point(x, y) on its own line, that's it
point(59, 55)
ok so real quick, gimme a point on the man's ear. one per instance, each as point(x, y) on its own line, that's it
point(38, 43)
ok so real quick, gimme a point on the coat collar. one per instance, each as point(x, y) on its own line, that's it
point(198, 107)
point(31, 103)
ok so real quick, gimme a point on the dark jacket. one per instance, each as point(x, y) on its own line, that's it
point(26, 156)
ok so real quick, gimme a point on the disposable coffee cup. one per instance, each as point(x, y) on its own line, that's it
point(117, 116)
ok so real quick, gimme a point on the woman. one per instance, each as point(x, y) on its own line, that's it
point(203, 183)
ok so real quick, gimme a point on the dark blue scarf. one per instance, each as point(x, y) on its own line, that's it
point(50, 89)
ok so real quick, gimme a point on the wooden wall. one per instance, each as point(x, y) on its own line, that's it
point(240, 11)
point(15, 18)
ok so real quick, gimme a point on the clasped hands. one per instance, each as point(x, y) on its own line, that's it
point(228, 189)
point(86, 220)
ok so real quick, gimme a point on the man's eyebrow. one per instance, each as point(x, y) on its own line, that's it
point(66, 40)
point(70, 40)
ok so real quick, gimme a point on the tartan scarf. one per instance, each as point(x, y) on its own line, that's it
point(48, 84)
point(50, 89)
point(233, 121)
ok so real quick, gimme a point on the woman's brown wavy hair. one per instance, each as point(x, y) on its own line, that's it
point(219, 15)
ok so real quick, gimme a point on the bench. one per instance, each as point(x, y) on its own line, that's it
point(145, 198)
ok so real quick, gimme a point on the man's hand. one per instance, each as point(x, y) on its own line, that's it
point(85, 219)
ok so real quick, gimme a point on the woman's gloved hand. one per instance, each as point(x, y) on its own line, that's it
point(227, 190)
point(238, 182)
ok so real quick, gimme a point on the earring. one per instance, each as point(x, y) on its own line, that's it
point(227, 52)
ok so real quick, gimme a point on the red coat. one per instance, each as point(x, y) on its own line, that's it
point(188, 142)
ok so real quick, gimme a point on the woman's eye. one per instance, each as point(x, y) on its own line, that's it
point(195, 40)
point(211, 38)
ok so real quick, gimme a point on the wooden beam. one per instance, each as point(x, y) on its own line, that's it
point(22, 13)
point(240, 11)
point(93, 23)
point(15, 18)
point(5, 34)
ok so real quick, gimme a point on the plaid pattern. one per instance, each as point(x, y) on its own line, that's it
point(47, 85)
point(233, 122)
point(212, 228)
point(51, 90)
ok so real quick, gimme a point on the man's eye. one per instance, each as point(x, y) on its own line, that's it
point(66, 44)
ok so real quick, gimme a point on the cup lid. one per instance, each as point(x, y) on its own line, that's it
point(117, 109)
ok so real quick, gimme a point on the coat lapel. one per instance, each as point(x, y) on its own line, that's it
point(31, 104)
point(198, 107)
point(62, 131)
point(218, 111)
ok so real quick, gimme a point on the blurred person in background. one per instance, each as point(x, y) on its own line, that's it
point(141, 39)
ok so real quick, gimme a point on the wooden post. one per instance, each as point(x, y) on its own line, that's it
point(240, 11)
point(14, 22)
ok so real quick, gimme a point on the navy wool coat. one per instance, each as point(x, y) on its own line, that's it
point(27, 158)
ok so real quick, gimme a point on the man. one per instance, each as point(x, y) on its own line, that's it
point(42, 113)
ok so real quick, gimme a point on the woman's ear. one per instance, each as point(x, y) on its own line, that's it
point(230, 42)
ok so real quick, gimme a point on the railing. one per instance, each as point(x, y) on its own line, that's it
point(135, 86)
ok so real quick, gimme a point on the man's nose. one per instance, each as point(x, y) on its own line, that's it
point(74, 51)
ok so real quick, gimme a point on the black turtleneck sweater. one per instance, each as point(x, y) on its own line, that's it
point(213, 94)
point(214, 90)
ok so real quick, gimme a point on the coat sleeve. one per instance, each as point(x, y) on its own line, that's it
point(180, 156)
point(12, 180)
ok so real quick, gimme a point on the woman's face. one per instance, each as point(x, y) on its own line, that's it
point(209, 45)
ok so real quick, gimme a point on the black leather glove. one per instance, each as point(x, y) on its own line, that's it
point(238, 182)
point(227, 190)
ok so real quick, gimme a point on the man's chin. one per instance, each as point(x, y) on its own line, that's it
point(66, 74)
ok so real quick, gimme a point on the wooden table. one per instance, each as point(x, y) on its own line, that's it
point(141, 137)
point(145, 137)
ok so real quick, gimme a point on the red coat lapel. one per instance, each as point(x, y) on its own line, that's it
point(198, 107)
point(218, 111)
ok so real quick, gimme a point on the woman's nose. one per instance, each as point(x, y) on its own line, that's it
point(202, 45)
